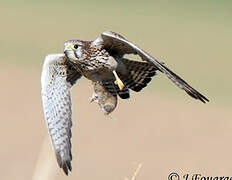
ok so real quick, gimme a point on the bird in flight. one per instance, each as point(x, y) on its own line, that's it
point(102, 61)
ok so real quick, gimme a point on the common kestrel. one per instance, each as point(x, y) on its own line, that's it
point(101, 61)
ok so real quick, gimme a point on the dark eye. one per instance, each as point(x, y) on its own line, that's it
point(75, 46)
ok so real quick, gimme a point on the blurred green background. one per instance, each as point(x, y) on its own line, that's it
point(161, 127)
point(192, 37)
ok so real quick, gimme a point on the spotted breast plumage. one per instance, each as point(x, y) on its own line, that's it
point(102, 61)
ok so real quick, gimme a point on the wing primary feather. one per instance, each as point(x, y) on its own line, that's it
point(120, 46)
point(57, 78)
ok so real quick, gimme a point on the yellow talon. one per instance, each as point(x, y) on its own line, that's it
point(94, 98)
point(118, 81)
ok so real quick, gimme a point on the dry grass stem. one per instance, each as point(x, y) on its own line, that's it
point(135, 173)
point(45, 167)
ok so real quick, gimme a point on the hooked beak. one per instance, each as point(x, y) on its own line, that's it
point(67, 48)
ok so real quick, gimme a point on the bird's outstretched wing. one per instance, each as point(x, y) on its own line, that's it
point(57, 78)
point(118, 46)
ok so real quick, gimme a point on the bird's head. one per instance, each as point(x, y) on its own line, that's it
point(75, 50)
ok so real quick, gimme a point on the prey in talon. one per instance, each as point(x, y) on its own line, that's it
point(103, 62)
point(106, 100)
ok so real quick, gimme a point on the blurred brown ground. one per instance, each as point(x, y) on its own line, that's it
point(164, 134)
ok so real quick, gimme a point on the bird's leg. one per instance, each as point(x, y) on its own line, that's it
point(118, 81)
point(93, 98)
